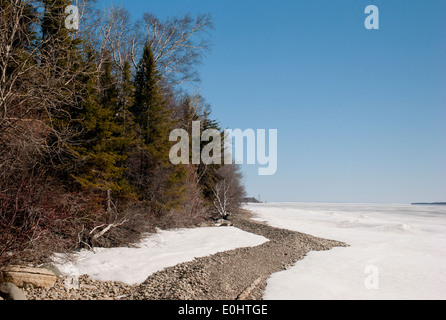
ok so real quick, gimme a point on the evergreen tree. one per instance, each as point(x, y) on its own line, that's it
point(196, 109)
point(126, 100)
point(159, 182)
point(150, 108)
point(59, 41)
point(64, 63)
point(103, 144)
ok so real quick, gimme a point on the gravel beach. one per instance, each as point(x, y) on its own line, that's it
point(239, 274)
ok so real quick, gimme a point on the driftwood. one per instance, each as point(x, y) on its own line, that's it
point(99, 231)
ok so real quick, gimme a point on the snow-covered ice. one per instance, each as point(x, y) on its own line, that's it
point(396, 251)
point(154, 253)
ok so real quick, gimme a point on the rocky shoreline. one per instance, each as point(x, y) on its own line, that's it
point(239, 274)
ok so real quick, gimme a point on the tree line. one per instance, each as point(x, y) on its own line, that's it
point(85, 118)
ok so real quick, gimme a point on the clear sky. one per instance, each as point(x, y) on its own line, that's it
point(360, 113)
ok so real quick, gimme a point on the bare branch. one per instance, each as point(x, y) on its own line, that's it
point(178, 45)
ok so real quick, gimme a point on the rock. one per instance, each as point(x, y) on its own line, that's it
point(52, 268)
point(22, 276)
point(71, 283)
point(9, 291)
point(88, 287)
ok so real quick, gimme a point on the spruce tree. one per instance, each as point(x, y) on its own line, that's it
point(150, 108)
point(160, 183)
point(60, 41)
point(195, 109)
point(103, 144)
point(126, 100)
point(64, 63)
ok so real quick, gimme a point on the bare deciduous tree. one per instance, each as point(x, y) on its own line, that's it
point(178, 44)
point(221, 193)
point(118, 37)
point(229, 192)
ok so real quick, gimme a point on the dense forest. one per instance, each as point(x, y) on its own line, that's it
point(88, 99)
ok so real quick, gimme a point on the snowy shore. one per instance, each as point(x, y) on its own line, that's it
point(240, 273)
point(164, 249)
point(394, 252)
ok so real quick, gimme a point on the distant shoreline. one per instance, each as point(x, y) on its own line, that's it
point(429, 204)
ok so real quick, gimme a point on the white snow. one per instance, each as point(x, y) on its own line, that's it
point(156, 252)
point(396, 251)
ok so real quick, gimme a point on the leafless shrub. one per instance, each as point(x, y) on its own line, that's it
point(34, 218)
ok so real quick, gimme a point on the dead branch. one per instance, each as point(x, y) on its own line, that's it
point(106, 229)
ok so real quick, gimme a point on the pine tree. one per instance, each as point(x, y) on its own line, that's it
point(58, 39)
point(126, 100)
point(195, 109)
point(64, 64)
point(159, 182)
point(104, 144)
point(150, 107)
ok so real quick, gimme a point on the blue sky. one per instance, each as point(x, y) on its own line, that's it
point(360, 113)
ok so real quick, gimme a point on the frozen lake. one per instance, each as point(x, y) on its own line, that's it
point(396, 251)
